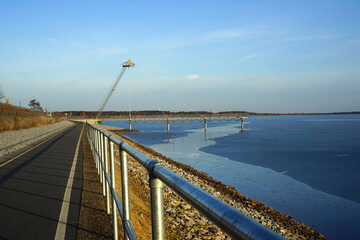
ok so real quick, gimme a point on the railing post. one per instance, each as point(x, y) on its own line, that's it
point(114, 207)
point(90, 132)
point(103, 164)
point(157, 208)
point(125, 188)
point(94, 139)
point(100, 157)
point(106, 159)
point(94, 147)
point(98, 152)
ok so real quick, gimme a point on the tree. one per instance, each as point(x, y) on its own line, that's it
point(2, 95)
point(34, 105)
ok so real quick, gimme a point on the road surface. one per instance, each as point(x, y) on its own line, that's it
point(40, 191)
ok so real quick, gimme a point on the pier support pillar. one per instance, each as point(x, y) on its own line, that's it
point(242, 124)
point(168, 125)
point(205, 124)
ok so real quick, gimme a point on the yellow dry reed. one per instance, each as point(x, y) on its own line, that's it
point(9, 123)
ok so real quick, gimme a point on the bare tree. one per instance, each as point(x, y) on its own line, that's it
point(2, 95)
point(34, 105)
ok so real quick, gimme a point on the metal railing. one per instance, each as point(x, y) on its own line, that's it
point(233, 222)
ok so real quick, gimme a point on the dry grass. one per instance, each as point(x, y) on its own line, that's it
point(15, 118)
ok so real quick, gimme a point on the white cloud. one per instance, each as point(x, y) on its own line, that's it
point(107, 51)
point(192, 77)
point(227, 34)
point(310, 37)
point(179, 41)
point(243, 59)
point(53, 40)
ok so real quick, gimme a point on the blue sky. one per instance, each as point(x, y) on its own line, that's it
point(264, 56)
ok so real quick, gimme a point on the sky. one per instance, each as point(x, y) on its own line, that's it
point(262, 56)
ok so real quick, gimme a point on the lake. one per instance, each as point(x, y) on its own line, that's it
point(304, 166)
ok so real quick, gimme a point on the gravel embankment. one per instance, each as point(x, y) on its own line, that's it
point(184, 218)
point(11, 141)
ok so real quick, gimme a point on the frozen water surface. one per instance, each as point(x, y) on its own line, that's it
point(303, 166)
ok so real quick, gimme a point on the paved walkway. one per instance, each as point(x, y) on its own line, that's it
point(33, 188)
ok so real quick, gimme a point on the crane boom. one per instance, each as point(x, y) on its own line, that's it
point(125, 65)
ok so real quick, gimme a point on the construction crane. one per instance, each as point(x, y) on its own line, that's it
point(125, 66)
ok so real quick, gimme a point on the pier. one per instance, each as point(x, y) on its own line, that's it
point(168, 121)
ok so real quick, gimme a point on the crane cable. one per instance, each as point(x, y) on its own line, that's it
point(156, 102)
point(69, 83)
point(168, 92)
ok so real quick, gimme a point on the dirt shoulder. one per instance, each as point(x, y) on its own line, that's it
point(94, 222)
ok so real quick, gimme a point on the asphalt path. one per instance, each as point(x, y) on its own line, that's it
point(33, 186)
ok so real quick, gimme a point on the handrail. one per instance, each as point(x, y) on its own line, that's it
point(232, 221)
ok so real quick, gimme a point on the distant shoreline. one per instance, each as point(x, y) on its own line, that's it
point(183, 114)
point(297, 114)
